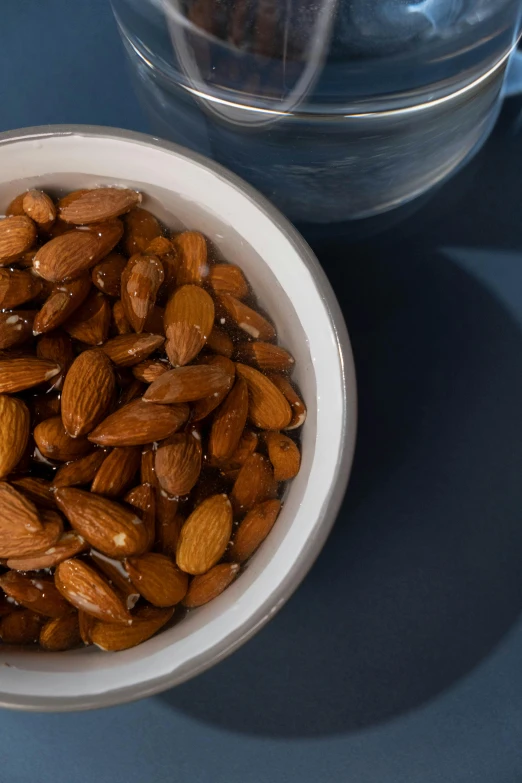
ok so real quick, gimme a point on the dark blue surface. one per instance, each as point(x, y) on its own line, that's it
point(400, 658)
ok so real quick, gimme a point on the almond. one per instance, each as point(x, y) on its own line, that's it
point(147, 470)
point(86, 623)
point(141, 227)
point(39, 207)
point(37, 490)
point(268, 409)
point(186, 384)
point(250, 321)
point(191, 247)
point(23, 373)
point(147, 622)
point(144, 498)
point(284, 456)
point(36, 593)
point(295, 402)
point(120, 325)
point(168, 524)
point(91, 321)
point(14, 432)
point(117, 472)
point(68, 545)
point(266, 356)
point(98, 205)
point(228, 423)
point(219, 342)
point(64, 299)
point(62, 633)
point(228, 279)
point(65, 257)
point(150, 369)
point(17, 287)
point(189, 317)
point(89, 592)
point(205, 535)
point(254, 484)
point(138, 423)
point(106, 275)
point(19, 542)
point(254, 529)
point(206, 587)
point(56, 347)
point(140, 283)
point(202, 408)
point(16, 206)
point(16, 327)
point(246, 446)
point(107, 526)
point(115, 571)
point(17, 234)
point(20, 627)
point(167, 254)
point(55, 444)
point(178, 464)
point(157, 579)
point(87, 392)
point(80, 471)
point(129, 349)
point(108, 235)
point(17, 514)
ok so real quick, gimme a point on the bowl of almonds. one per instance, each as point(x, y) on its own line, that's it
point(177, 415)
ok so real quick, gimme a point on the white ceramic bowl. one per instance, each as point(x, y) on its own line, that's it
point(185, 189)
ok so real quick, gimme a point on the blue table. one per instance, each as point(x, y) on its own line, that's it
point(399, 660)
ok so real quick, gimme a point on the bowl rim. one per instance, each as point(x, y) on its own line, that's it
point(339, 481)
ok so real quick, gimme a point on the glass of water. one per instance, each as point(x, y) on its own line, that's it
point(334, 109)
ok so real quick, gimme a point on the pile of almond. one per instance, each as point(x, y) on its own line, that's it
point(147, 421)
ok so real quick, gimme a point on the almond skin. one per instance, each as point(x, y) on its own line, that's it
point(14, 432)
point(16, 327)
point(228, 423)
point(68, 545)
point(266, 356)
point(106, 275)
point(255, 483)
point(157, 579)
point(86, 623)
point(114, 637)
point(268, 408)
point(228, 279)
point(98, 205)
point(144, 498)
point(204, 407)
point(141, 227)
point(284, 456)
point(18, 374)
point(191, 247)
point(17, 287)
point(109, 527)
point(247, 445)
point(37, 490)
point(117, 472)
point(56, 347)
point(55, 444)
point(80, 471)
point(189, 317)
point(19, 542)
point(247, 319)
point(140, 282)
point(139, 423)
point(206, 587)
point(20, 627)
point(63, 300)
point(120, 325)
point(186, 384)
point(87, 392)
point(39, 207)
point(67, 256)
point(178, 464)
point(115, 572)
point(295, 402)
point(36, 593)
point(91, 321)
point(129, 349)
point(17, 513)
point(150, 369)
point(219, 342)
point(62, 633)
point(16, 206)
point(254, 529)
point(17, 234)
point(89, 592)
point(205, 535)
point(108, 235)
